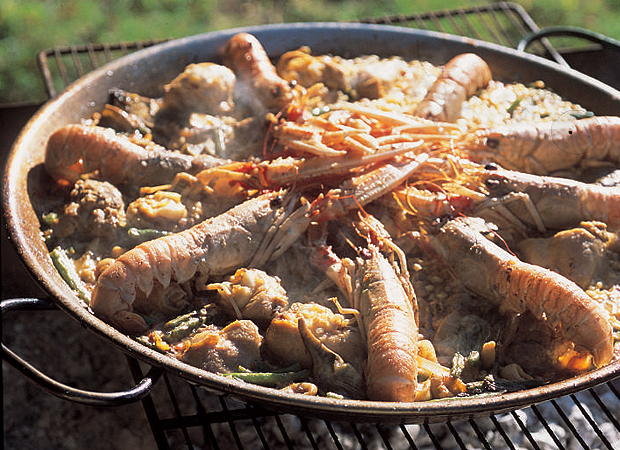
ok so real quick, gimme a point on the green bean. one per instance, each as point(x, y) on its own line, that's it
point(492, 385)
point(219, 141)
point(173, 323)
point(262, 366)
point(458, 365)
point(582, 114)
point(334, 395)
point(269, 379)
point(66, 268)
point(513, 106)
point(465, 366)
point(144, 340)
point(184, 329)
point(320, 111)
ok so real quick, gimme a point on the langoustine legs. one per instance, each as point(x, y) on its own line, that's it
point(557, 202)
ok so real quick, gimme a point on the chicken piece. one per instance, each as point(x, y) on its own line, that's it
point(202, 133)
point(375, 79)
point(331, 373)
point(225, 350)
point(283, 340)
point(251, 294)
point(162, 210)
point(577, 254)
point(205, 88)
point(366, 77)
point(224, 137)
point(460, 332)
point(96, 208)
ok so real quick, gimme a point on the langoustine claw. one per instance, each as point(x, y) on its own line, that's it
point(150, 278)
point(517, 287)
point(75, 150)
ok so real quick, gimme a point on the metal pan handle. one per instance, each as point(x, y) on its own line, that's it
point(582, 33)
point(141, 390)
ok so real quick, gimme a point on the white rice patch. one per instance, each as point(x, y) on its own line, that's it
point(501, 104)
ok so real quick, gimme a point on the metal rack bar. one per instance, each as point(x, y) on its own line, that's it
point(569, 424)
point(610, 417)
point(545, 424)
point(502, 432)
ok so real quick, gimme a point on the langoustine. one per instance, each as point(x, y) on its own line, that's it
point(387, 312)
point(258, 83)
point(76, 150)
point(517, 287)
point(517, 203)
point(460, 78)
point(137, 281)
point(552, 202)
point(388, 309)
point(547, 147)
point(377, 286)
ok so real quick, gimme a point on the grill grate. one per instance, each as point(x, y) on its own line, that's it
point(191, 417)
point(502, 23)
point(62, 65)
point(184, 416)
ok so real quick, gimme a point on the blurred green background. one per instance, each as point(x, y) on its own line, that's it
point(29, 26)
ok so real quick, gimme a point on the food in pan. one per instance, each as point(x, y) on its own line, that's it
point(365, 228)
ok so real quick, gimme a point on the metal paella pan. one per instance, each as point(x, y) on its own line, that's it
point(146, 72)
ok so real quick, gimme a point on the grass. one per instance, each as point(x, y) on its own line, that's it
point(29, 26)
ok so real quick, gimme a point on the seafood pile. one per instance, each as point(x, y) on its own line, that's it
point(366, 228)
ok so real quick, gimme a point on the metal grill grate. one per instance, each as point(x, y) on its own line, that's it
point(184, 416)
point(502, 23)
point(191, 417)
point(60, 66)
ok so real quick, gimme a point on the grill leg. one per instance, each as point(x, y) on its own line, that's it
point(149, 408)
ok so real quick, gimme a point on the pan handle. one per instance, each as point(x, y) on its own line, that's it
point(141, 390)
point(582, 33)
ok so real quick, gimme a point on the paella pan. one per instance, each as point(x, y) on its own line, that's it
point(148, 71)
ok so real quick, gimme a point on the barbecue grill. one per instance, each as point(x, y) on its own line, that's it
point(180, 413)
